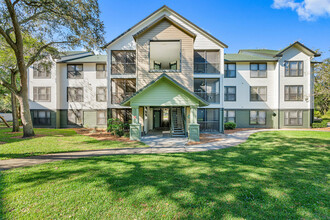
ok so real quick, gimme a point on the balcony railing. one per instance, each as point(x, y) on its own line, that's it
point(209, 97)
point(209, 126)
point(123, 68)
point(117, 98)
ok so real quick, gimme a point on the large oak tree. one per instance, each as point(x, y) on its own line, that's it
point(53, 23)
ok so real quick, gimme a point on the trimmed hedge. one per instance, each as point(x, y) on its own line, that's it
point(322, 124)
point(230, 126)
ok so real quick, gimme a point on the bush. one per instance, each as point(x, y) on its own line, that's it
point(322, 124)
point(230, 126)
point(317, 114)
point(116, 127)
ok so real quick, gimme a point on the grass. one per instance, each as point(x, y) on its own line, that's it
point(274, 175)
point(52, 141)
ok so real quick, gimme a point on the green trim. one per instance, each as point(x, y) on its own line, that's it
point(162, 77)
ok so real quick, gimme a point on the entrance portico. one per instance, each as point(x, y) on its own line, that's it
point(164, 103)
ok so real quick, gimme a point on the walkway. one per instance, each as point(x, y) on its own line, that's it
point(157, 146)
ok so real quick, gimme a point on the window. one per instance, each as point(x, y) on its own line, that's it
point(258, 93)
point(123, 62)
point(121, 89)
point(41, 117)
point(230, 116)
point(230, 70)
point(293, 93)
point(41, 94)
point(101, 94)
point(41, 71)
point(293, 118)
point(293, 68)
point(258, 70)
point(257, 117)
point(208, 119)
point(101, 117)
point(101, 71)
point(75, 94)
point(206, 61)
point(207, 89)
point(165, 55)
point(74, 117)
point(75, 71)
point(230, 93)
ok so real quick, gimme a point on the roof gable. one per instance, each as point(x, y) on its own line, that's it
point(167, 9)
point(301, 47)
point(158, 21)
point(164, 91)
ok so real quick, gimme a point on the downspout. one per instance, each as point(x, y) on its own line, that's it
point(279, 96)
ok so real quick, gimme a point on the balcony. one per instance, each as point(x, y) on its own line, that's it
point(117, 98)
point(209, 97)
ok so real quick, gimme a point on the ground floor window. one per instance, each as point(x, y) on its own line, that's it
point(74, 117)
point(208, 118)
point(101, 117)
point(230, 116)
point(257, 117)
point(293, 118)
point(41, 117)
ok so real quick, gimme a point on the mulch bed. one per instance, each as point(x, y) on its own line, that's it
point(101, 134)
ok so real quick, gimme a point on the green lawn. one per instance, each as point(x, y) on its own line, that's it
point(274, 175)
point(52, 141)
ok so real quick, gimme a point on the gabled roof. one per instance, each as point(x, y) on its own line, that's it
point(159, 20)
point(87, 59)
point(297, 43)
point(172, 11)
point(201, 101)
point(265, 52)
point(240, 57)
point(72, 53)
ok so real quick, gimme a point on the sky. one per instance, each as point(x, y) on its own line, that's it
point(241, 24)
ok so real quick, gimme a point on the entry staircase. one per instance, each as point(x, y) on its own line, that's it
point(177, 122)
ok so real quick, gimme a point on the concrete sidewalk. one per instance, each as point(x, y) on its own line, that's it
point(157, 146)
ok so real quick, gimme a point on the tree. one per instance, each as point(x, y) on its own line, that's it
point(8, 71)
point(53, 24)
point(322, 86)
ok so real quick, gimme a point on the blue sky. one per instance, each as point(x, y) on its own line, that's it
point(241, 24)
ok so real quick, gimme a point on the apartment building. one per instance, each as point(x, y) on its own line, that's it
point(167, 74)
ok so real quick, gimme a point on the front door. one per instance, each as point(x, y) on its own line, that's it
point(157, 119)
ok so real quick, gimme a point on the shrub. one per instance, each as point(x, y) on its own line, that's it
point(230, 126)
point(322, 124)
point(317, 114)
point(116, 127)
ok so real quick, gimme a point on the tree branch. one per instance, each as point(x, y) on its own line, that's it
point(8, 39)
point(9, 30)
point(4, 83)
point(33, 58)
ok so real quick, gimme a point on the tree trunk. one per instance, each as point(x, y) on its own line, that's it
point(14, 113)
point(25, 114)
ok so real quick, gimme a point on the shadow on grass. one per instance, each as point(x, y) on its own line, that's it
point(270, 176)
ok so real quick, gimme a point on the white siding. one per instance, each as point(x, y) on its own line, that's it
point(89, 83)
point(49, 82)
point(294, 54)
point(243, 81)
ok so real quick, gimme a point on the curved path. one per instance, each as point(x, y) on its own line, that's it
point(157, 146)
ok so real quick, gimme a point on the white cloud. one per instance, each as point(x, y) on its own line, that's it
point(306, 9)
